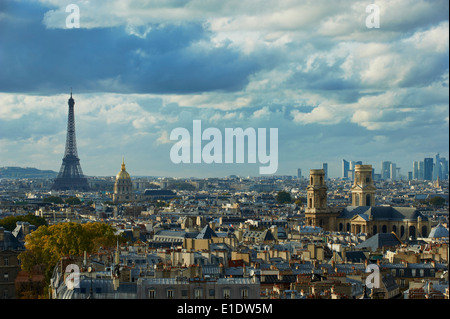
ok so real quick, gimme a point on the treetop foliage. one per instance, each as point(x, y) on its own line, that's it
point(48, 244)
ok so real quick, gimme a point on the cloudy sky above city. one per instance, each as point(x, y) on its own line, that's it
point(333, 87)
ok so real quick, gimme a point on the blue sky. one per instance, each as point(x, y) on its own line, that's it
point(334, 88)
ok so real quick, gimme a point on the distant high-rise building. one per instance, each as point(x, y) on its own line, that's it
point(325, 169)
point(410, 175)
point(428, 169)
point(415, 171)
point(444, 168)
point(421, 170)
point(345, 168)
point(352, 165)
point(393, 172)
point(385, 170)
point(437, 168)
point(299, 173)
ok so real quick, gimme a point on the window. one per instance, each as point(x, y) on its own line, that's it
point(184, 293)
point(6, 261)
point(422, 272)
point(413, 272)
point(152, 293)
point(226, 293)
point(368, 202)
point(170, 294)
point(5, 276)
point(212, 292)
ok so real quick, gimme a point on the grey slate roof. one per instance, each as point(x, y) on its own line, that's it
point(206, 233)
point(382, 213)
point(438, 231)
point(380, 240)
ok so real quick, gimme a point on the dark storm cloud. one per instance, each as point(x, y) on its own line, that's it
point(168, 58)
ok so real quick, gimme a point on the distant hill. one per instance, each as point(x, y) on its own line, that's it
point(26, 172)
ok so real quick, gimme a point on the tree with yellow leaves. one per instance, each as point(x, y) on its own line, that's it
point(47, 244)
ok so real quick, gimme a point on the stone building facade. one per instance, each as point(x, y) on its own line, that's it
point(363, 216)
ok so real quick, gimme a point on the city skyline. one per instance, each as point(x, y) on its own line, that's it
point(334, 88)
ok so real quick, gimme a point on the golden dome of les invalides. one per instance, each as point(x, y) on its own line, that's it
point(123, 186)
point(123, 174)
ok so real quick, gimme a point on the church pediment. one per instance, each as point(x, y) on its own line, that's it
point(360, 218)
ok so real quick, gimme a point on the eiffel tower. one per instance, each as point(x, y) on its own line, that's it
point(70, 176)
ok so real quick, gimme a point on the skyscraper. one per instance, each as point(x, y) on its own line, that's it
point(393, 172)
point(428, 169)
point(415, 171)
point(444, 168)
point(70, 176)
point(299, 173)
point(345, 168)
point(421, 170)
point(385, 170)
point(325, 169)
point(437, 168)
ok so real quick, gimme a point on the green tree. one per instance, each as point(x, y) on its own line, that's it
point(45, 246)
point(300, 201)
point(437, 201)
point(54, 200)
point(10, 222)
point(73, 201)
point(283, 197)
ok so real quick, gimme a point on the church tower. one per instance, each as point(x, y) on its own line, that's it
point(363, 189)
point(317, 212)
point(123, 187)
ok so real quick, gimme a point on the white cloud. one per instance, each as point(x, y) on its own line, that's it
point(323, 114)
